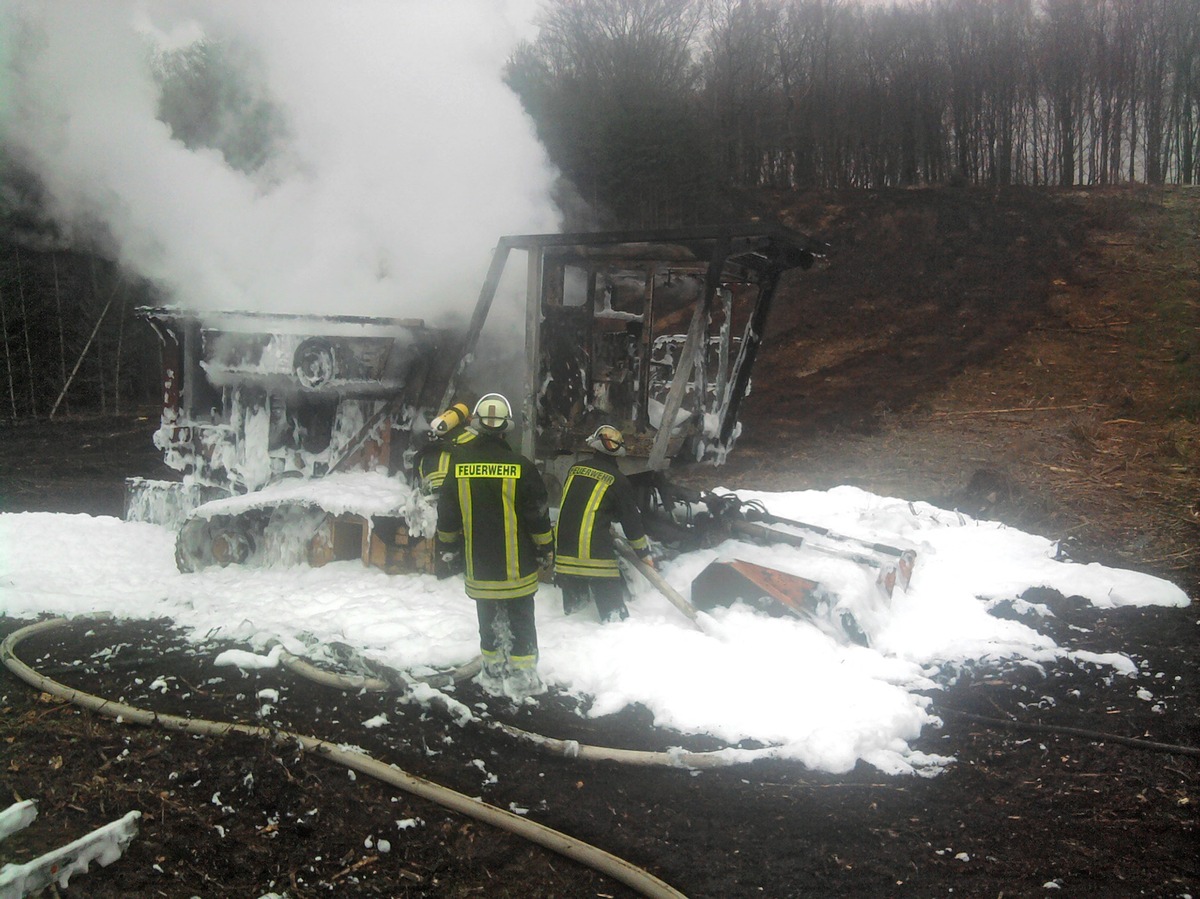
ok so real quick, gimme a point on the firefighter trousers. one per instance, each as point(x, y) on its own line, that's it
point(607, 592)
point(507, 629)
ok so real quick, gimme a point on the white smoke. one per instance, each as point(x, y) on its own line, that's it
point(365, 158)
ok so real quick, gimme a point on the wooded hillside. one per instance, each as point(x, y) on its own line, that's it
point(674, 112)
point(654, 108)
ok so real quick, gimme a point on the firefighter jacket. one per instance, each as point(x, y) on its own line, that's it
point(434, 461)
point(595, 494)
point(493, 501)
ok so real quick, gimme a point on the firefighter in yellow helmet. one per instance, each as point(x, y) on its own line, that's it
point(596, 493)
point(446, 432)
point(493, 508)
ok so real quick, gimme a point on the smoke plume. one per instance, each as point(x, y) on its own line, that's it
point(350, 157)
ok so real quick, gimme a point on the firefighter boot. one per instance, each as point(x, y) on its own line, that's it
point(492, 674)
point(522, 682)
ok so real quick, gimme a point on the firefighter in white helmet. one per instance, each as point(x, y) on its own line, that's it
point(595, 495)
point(493, 508)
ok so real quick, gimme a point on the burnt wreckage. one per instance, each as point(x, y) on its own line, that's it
point(655, 332)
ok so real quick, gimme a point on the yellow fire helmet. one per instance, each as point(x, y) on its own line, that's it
point(607, 439)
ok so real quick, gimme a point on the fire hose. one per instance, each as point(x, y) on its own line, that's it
point(672, 758)
point(676, 757)
point(637, 879)
point(679, 758)
point(659, 582)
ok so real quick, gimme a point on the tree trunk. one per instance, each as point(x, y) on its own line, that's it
point(120, 345)
point(83, 353)
point(62, 342)
point(12, 391)
point(25, 332)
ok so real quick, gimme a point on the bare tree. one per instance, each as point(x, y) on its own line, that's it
point(62, 343)
point(12, 390)
point(1153, 56)
point(614, 83)
point(25, 332)
point(1184, 105)
point(116, 286)
point(743, 92)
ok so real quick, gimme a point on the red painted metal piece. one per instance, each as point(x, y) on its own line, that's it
point(723, 582)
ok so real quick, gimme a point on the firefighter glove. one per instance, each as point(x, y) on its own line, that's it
point(448, 563)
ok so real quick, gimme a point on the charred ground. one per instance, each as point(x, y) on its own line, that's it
point(1027, 356)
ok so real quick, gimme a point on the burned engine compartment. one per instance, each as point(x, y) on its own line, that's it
point(251, 397)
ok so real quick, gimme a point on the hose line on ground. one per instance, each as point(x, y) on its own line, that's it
point(593, 857)
point(674, 758)
point(1074, 731)
point(573, 749)
point(390, 680)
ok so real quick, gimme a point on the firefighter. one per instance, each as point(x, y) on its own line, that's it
point(448, 430)
point(596, 494)
point(493, 509)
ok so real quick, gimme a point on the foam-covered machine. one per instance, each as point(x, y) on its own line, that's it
point(295, 435)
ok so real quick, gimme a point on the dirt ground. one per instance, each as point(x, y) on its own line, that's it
point(1031, 357)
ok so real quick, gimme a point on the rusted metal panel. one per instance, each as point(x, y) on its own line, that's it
point(724, 582)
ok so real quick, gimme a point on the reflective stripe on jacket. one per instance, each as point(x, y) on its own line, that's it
point(434, 462)
point(595, 494)
point(494, 500)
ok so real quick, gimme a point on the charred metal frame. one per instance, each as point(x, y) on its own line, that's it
point(621, 328)
point(296, 361)
point(748, 257)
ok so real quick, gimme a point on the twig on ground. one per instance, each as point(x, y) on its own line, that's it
point(1012, 410)
point(365, 861)
point(1098, 327)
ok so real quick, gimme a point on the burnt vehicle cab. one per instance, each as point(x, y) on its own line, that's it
point(654, 332)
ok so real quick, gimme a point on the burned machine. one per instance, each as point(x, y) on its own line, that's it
point(275, 420)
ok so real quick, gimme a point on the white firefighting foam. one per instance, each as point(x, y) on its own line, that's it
point(784, 683)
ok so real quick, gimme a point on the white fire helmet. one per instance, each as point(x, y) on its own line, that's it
point(607, 439)
point(493, 413)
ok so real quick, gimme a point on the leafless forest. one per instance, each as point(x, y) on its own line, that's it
point(662, 112)
point(685, 101)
